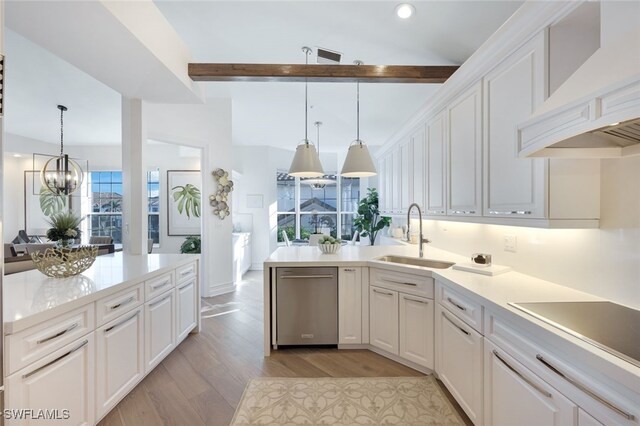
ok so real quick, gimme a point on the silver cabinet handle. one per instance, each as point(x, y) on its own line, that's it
point(186, 285)
point(125, 302)
point(151, 305)
point(382, 292)
point(584, 389)
point(426, 302)
point(65, 331)
point(122, 322)
point(400, 282)
point(509, 212)
point(525, 379)
point(456, 325)
point(435, 211)
point(456, 304)
point(163, 284)
point(349, 270)
point(185, 273)
point(463, 211)
point(61, 357)
point(297, 277)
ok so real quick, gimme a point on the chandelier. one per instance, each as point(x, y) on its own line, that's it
point(61, 175)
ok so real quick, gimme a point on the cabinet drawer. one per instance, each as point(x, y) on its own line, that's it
point(113, 306)
point(186, 272)
point(461, 306)
point(606, 400)
point(405, 283)
point(156, 286)
point(28, 346)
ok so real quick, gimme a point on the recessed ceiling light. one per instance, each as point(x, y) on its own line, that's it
point(405, 10)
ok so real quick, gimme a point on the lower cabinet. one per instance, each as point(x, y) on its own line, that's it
point(186, 308)
point(515, 396)
point(383, 319)
point(416, 329)
point(160, 330)
point(459, 362)
point(119, 359)
point(62, 381)
point(584, 419)
point(350, 305)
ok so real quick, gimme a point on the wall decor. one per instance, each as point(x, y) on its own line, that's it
point(220, 200)
point(40, 204)
point(183, 202)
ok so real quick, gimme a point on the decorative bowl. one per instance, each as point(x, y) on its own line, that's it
point(329, 248)
point(64, 262)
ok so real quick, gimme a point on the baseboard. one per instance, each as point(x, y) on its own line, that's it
point(217, 290)
point(353, 346)
point(257, 267)
point(400, 360)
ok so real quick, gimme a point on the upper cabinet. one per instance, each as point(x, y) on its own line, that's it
point(417, 158)
point(464, 159)
point(435, 164)
point(514, 186)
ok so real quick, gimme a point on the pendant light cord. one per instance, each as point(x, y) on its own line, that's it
point(307, 52)
point(358, 63)
point(61, 132)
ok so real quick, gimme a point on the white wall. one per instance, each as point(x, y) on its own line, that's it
point(604, 261)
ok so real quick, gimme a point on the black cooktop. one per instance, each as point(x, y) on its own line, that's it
point(611, 327)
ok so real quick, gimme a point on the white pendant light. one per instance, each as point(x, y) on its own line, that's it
point(321, 182)
point(306, 162)
point(358, 162)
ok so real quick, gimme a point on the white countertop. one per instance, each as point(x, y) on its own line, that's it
point(495, 292)
point(30, 297)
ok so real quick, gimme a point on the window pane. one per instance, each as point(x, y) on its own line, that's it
point(107, 224)
point(286, 192)
point(286, 223)
point(347, 228)
point(154, 228)
point(106, 197)
point(317, 223)
point(350, 191)
point(318, 194)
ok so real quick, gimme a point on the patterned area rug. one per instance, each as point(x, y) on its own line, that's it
point(358, 401)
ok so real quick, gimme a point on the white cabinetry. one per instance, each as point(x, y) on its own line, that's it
point(186, 308)
point(416, 329)
point(417, 160)
point(62, 380)
point(514, 186)
point(160, 329)
point(406, 166)
point(464, 125)
point(436, 178)
point(382, 189)
point(383, 322)
point(350, 305)
point(459, 362)
point(513, 395)
point(119, 359)
point(389, 183)
point(585, 419)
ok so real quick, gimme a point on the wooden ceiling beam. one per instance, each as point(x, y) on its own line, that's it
point(321, 73)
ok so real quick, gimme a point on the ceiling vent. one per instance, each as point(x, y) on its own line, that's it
point(326, 56)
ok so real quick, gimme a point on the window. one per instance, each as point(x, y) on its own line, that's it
point(105, 213)
point(327, 205)
point(153, 198)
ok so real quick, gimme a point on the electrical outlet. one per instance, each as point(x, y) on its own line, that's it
point(511, 243)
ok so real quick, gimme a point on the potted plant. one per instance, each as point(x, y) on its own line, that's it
point(191, 245)
point(65, 228)
point(369, 222)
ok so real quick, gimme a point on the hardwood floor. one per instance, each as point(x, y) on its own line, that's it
point(202, 381)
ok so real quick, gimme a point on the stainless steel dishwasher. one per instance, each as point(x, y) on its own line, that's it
point(306, 306)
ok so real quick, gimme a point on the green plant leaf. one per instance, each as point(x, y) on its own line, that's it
point(188, 198)
point(51, 203)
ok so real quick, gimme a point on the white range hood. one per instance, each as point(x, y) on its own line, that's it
point(596, 111)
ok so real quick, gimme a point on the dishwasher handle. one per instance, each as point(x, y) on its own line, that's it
point(298, 277)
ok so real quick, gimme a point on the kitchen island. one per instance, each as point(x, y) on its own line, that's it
point(462, 327)
point(82, 343)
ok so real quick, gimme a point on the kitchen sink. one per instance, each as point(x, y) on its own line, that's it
point(416, 261)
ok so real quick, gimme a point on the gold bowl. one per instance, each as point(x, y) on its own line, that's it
point(64, 262)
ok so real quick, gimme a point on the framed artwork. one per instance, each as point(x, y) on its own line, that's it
point(39, 205)
point(183, 202)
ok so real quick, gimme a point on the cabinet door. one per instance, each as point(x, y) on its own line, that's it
point(459, 362)
point(159, 332)
point(383, 319)
point(119, 359)
point(584, 419)
point(436, 179)
point(63, 380)
point(406, 166)
point(514, 187)
point(389, 182)
point(186, 308)
point(350, 305)
point(417, 178)
point(396, 189)
point(382, 185)
point(514, 396)
point(464, 124)
point(416, 330)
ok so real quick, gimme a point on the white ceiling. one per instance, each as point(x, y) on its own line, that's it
point(441, 32)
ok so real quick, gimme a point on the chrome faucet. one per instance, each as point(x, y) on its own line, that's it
point(421, 239)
